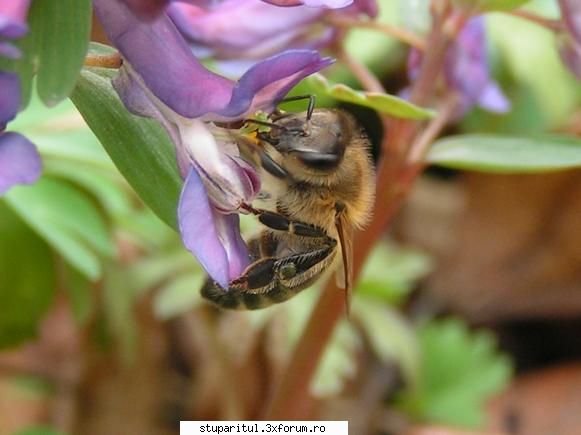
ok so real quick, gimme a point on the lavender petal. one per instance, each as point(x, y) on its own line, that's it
point(199, 232)
point(152, 47)
point(13, 18)
point(268, 81)
point(9, 97)
point(19, 161)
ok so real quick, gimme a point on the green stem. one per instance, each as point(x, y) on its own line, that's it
point(291, 399)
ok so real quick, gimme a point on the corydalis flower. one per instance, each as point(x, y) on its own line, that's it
point(150, 9)
point(252, 29)
point(570, 41)
point(19, 160)
point(12, 25)
point(160, 78)
point(466, 70)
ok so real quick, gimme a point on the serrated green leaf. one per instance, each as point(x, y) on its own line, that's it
point(390, 273)
point(64, 32)
point(158, 269)
point(383, 103)
point(390, 337)
point(67, 220)
point(27, 279)
point(139, 147)
point(460, 370)
point(179, 296)
point(338, 362)
point(110, 193)
point(491, 153)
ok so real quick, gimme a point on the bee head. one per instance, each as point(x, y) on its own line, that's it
point(317, 145)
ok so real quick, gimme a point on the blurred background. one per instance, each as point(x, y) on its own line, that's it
point(466, 319)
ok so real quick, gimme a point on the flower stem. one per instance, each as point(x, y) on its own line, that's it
point(398, 33)
point(396, 175)
point(419, 148)
point(112, 61)
point(553, 25)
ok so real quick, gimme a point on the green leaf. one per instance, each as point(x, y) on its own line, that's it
point(500, 5)
point(390, 336)
point(39, 430)
point(67, 220)
point(179, 296)
point(110, 193)
point(491, 5)
point(383, 103)
point(27, 279)
point(119, 298)
point(98, 49)
point(64, 32)
point(338, 363)
point(391, 273)
point(139, 147)
point(491, 153)
point(79, 290)
point(460, 370)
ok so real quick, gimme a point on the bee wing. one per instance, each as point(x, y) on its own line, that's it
point(343, 276)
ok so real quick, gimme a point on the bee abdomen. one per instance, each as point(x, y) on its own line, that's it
point(234, 299)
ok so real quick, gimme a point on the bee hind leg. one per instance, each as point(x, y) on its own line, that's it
point(270, 280)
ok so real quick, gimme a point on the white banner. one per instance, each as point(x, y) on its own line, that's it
point(264, 427)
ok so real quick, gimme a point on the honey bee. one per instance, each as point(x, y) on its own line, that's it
point(319, 183)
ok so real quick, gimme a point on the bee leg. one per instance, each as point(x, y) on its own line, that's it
point(280, 222)
point(277, 221)
point(271, 280)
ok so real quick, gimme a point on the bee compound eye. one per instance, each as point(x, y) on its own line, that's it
point(320, 161)
point(287, 271)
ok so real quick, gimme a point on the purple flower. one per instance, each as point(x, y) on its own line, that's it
point(161, 78)
point(332, 4)
point(466, 70)
point(570, 42)
point(19, 160)
point(150, 9)
point(252, 29)
point(12, 25)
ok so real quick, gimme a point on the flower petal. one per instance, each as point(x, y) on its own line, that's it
point(9, 97)
point(228, 226)
point(191, 90)
point(331, 4)
point(157, 51)
point(199, 230)
point(13, 18)
point(230, 29)
point(19, 161)
point(9, 50)
point(229, 181)
point(147, 9)
point(493, 99)
point(466, 69)
point(270, 80)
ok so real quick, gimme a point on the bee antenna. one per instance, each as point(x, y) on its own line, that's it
point(265, 123)
point(310, 107)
